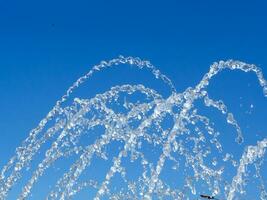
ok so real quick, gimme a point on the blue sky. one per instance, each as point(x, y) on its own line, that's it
point(45, 46)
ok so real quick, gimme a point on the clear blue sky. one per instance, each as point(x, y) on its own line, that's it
point(46, 45)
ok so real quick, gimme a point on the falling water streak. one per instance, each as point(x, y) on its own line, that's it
point(192, 96)
point(86, 107)
point(22, 151)
point(263, 192)
point(69, 183)
point(251, 154)
point(131, 143)
point(186, 115)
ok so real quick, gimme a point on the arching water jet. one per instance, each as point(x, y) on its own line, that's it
point(139, 125)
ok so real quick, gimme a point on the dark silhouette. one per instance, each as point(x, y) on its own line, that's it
point(207, 196)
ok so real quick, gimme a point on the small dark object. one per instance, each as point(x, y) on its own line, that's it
point(207, 196)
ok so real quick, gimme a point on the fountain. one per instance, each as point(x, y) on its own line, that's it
point(131, 142)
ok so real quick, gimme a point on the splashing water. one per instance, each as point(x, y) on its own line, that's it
point(184, 145)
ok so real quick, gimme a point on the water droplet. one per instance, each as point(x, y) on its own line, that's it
point(265, 91)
